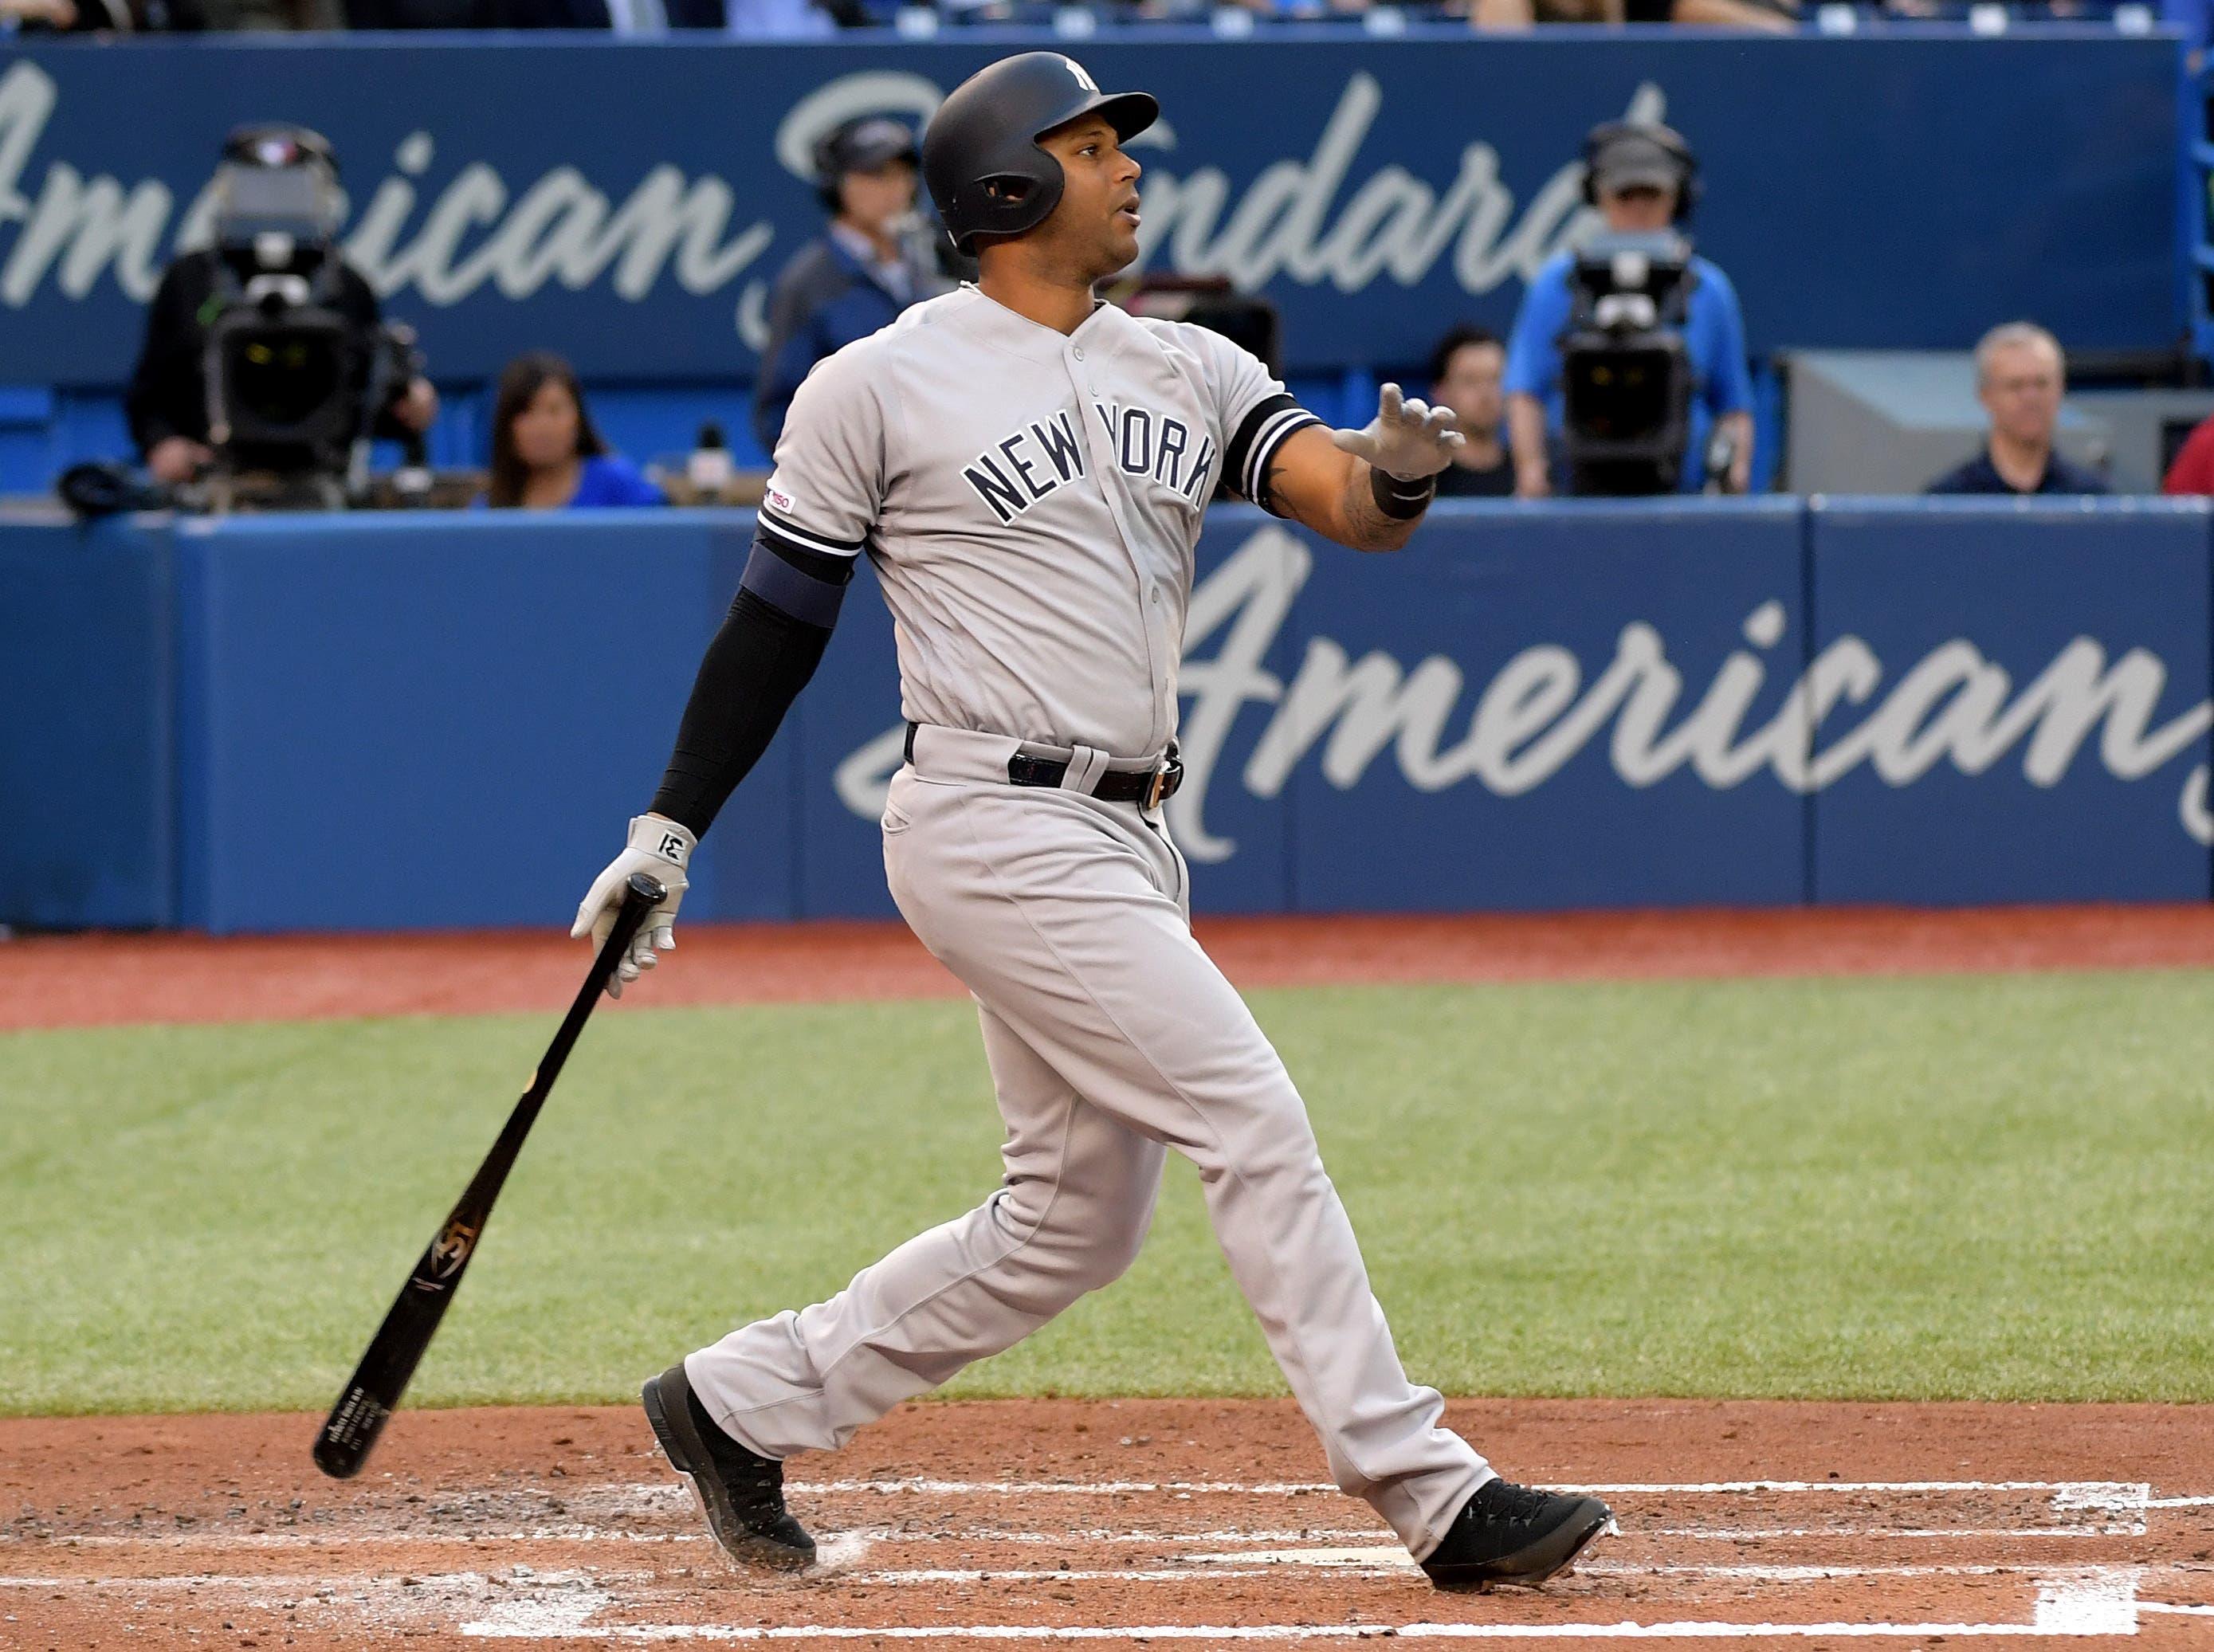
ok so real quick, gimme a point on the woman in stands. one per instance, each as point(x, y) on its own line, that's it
point(545, 454)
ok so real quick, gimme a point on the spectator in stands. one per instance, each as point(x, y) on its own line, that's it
point(856, 277)
point(2193, 473)
point(2196, 19)
point(105, 16)
point(1643, 179)
point(1774, 16)
point(1466, 370)
point(378, 15)
point(279, 16)
point(2019, 377)
point(166, 403)
point(38, 14)
point(545, 455)
point(1521, 13)
point(752, 20)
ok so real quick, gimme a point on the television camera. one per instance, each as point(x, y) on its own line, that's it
point(1626, 376)
point(294, 382)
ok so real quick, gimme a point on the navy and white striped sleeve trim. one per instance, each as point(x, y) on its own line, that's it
point(775, 527)
point(1254, 448)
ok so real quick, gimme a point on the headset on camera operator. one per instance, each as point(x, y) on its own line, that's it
point(1626, 372)
point(264, 352)
point(871, 263)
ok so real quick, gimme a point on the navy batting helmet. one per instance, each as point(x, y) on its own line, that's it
point(981, 156)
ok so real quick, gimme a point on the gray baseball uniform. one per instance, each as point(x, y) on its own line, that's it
point(1031, 501)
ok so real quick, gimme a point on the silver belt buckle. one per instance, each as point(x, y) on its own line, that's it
point(1165, 778)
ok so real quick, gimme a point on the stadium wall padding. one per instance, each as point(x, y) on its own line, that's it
point(86, 747)
point(1907, 189)
point(442, 720)
point(2083, 627)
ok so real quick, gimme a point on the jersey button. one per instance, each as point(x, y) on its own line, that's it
point(1077, 351)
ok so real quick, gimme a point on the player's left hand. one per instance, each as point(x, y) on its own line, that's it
point(659, 847)
point(1408, 438)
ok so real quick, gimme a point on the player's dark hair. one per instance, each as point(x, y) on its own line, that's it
point(1459, 336)
point(519, 385)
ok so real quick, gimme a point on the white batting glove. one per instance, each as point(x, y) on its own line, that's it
point(1408, 439)
point(659, 847)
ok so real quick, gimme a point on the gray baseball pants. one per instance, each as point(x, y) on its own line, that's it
point(1112, 1037)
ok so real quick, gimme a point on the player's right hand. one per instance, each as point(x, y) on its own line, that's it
point(660, 846)
point(1408, 438)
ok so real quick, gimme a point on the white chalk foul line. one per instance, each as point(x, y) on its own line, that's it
point(1166, 1574)
point(212, 1542)
point(321, 1586)
point(1383, 1562)
point(1742, 1533)
point(339, 1538)
point(559, 1606)
point(1379, 1562)
point(343, 1538)
point(2109, 1494)
point(2078, 1604)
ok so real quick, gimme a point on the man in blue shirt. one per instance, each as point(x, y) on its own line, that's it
point(2019, 377)
point(854, 279)
point(1643, 180)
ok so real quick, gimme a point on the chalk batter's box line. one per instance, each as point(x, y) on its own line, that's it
point(1202, 1570)
point(2091, 1601)
point(2133, 1493)
point(2081, 1603)
point(2134, 1497)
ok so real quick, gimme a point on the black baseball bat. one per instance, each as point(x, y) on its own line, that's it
point(350, 1430)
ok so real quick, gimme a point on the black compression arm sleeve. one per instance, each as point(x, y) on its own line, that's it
point(758, 663)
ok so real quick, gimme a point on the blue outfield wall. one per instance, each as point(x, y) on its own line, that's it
point(443, 721)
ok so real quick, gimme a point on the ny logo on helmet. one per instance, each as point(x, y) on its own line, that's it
point(1082, 79)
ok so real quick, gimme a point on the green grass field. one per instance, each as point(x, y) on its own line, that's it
point(1969, 1187)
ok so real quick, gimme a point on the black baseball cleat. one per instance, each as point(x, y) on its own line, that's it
point(742, 1495)
point(1514, 1535)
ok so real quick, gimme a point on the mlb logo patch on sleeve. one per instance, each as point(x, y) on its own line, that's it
point(778, 499)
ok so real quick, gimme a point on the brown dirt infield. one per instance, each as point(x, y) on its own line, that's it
point(1032, 1523)
point(1036, 1523)
point(49, 980)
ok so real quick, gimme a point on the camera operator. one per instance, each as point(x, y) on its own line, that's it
point(870, 264)
point(263, 167)
point(1643, 179)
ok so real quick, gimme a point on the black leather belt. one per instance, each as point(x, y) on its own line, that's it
point(1150, 787)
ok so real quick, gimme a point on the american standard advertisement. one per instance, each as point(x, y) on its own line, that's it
point(1757, 703)
point(644, 249)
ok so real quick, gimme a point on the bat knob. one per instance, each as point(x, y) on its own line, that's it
point(645, 887)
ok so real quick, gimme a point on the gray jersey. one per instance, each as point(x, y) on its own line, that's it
point(1030, 500)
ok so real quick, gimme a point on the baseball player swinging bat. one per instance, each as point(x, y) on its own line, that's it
point(1027, 469)
point(350, 1432)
